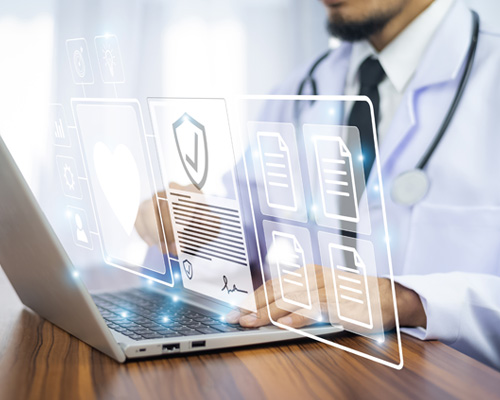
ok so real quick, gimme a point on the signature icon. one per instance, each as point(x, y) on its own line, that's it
point(226, 287)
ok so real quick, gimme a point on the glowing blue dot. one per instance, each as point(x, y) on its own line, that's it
point(76, 274)
point(150, 282)
point(360, 157)
point(176, 275)
point(222, 318)
point(331, 111)
point(314, 208)
point(124, 314)
point(320, 318)
point(165, 319)
point(176, 298)
point(375, 188)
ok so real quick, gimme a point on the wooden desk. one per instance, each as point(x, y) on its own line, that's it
point(39, 360)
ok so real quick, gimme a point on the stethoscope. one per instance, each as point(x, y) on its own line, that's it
point(411, 186)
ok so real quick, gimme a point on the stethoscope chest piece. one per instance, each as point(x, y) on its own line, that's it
point(410, 187)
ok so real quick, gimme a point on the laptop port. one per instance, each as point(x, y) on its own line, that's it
point(198, 343)
point(141, 350)
point(167, 348)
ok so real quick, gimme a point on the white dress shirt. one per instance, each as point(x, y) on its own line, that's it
point(399, 59)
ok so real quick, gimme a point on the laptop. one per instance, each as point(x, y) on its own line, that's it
point(137, 323)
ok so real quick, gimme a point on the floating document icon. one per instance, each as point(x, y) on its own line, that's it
point(351, 286)
point(290, 260)
point(336, 178)
point(277, 171)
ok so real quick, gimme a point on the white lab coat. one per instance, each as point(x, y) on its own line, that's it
point(447, 247)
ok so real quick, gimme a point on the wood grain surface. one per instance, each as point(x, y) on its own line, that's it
point(40, 361)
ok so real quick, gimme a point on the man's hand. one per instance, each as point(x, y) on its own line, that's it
point(410, 309)
point(154, 217)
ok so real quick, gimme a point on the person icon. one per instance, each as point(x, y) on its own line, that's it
point(81, 235)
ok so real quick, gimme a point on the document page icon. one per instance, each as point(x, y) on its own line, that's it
point(290, 260)
point(351, 286)
point(336, 178)
point(277, 171)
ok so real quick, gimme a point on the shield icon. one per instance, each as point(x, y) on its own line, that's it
point(188, 268)
point(191, 141)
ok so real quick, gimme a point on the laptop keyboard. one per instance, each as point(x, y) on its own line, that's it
point(141, 314)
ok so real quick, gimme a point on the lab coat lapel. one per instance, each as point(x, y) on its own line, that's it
point(442, 62)
point(334, 71)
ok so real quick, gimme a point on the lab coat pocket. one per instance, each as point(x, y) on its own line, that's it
point(453, 238)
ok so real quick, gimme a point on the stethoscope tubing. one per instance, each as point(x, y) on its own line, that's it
point(451, 111)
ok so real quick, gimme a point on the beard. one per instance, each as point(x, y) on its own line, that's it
point(352, 31)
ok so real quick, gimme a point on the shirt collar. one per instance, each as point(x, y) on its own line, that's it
point(401, 57)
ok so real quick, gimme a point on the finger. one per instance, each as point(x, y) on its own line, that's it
point(261, 317)
point(314, 272)
point(260, 294)
point(295, 320)
point(233, 317)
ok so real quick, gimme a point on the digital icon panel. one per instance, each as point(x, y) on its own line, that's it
point(79, 225)
point(120, 179)
point(68, 175)
point(277, 171)
point(58, 126)
point(291, 265)
point(290, 260)
point(336, 178)
point(110, 59)
point(334, 251)
point(197, 162)
point(79, 61)
point(352, 296)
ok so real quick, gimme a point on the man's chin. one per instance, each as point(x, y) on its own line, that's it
point(355, 31)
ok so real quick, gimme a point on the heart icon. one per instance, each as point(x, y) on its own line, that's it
point(120, 182)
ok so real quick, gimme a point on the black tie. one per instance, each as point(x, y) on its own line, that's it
point(371, 74)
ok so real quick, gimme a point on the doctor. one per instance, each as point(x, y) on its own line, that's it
point(409, 57)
